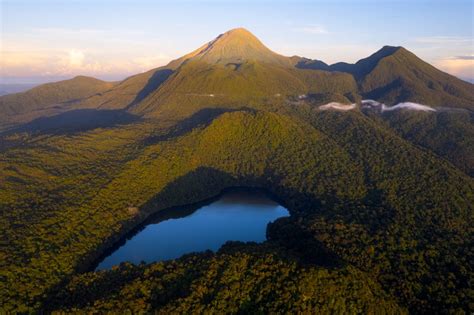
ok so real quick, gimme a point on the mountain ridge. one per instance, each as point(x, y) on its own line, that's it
point(47, 98)
point(238, 58)
point(234, 46)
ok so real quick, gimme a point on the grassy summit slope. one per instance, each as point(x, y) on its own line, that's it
point(196, 85)
point(236, 69)
point(129, 91)
point(235, 46)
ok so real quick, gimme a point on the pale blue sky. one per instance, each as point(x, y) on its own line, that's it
point(42, 40)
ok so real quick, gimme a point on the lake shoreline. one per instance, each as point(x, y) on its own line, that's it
point(130, 229)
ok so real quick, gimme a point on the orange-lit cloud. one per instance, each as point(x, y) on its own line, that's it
point(74, 62)
point(42, 52)
point(461, 66)
point(76, 58)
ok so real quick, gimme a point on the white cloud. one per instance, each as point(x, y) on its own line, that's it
point(375, 104)
point(76, 58)
point(445, 40)
point(71, 62)
point(68, 32)
point(312, 29)
point(408, 105)
point(338, 106)
point(42, 52)
point(404, 105)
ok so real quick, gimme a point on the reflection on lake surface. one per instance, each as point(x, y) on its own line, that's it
point(235, 216)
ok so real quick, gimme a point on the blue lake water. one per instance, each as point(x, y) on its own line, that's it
point(235, 216)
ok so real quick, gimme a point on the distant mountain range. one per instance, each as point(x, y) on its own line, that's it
point(236, 68)
point(11, 88)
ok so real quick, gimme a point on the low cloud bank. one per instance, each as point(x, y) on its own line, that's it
point(337, 106)
point(408, 105)
point(403, 105)
point(377, 105)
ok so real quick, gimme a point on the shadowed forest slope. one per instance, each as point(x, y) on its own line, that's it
point(329, 168)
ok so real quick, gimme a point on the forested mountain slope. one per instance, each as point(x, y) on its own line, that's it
point(381, 202)
point(328, 168)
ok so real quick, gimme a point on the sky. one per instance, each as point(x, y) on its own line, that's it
point(48, 40)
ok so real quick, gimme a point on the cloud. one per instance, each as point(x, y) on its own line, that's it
point(404, 105)
point(88, 32)
point(445, 40)
point(460, 66)
point(41, 52)
point(377, 105)
point(56, 31)
point(76, 58)
point(408, 105)
point(337, 106)
point(312, 29)
point(468, 57)
point(452, 54)
point(72, 62)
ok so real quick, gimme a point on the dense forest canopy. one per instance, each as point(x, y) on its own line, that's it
point(381, 202)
